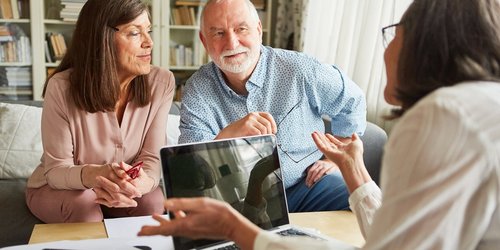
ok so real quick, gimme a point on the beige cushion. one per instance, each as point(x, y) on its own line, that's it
point(20, 140)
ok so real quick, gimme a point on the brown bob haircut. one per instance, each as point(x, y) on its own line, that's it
point(446, 42)
point(94, 85)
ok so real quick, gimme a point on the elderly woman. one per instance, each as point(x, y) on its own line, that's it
point(105, 110)
point(441, 169)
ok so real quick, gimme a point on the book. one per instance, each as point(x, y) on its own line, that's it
point(6, 9)
point(48, 57)
point(24, 8)
point(15, 9)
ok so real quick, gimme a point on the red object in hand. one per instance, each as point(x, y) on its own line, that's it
point(134, 171)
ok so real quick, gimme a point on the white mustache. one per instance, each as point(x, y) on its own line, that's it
point(234, 52)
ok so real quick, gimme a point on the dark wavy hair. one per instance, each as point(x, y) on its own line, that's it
point(94, 84)
point(446, 42)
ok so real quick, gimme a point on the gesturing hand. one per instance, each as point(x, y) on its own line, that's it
point(342, 154)
point(255, 123)
point(348, 157)
point(204, 218)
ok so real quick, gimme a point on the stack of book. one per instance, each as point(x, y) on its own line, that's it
point(14, 44)
point(181, 55)
point(186, 56)
point(55, 47)
point(18, 76)
point(71, 9)
point(5, 35)
point(183, 15)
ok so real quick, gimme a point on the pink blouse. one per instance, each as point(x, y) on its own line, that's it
point(73, 137)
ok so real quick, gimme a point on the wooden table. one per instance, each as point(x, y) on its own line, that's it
point(67, 231)
point(341, 225)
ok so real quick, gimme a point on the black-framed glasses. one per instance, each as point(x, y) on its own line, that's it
point(280, 145)
point(388, 33)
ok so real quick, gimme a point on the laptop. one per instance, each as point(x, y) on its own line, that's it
point(244, 172)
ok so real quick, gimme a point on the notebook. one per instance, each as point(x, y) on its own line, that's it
point(244, 172)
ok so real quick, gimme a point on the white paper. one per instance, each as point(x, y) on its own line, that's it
point(94, 244)
point(126, 229)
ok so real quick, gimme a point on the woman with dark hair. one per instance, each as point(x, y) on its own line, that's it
point(105, 109)
point(441, 169)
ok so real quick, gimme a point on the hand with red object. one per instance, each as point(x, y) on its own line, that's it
point(134, 171)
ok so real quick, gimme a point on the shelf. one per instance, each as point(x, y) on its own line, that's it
point(21, 20)
point(52, 64)
point(15, 64)
point(184, 27)
point(177, 68)
point(57, 21)
point(9, 90)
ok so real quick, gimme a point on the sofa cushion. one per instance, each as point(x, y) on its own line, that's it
point(20, 140)
point(173, 131)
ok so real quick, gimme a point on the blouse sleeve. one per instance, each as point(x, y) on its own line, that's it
point(155, 136)
point(364, 202)
point(59, 167)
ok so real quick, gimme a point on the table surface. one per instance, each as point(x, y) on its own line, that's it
point(341, 225)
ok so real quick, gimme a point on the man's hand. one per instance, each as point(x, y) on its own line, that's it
point(204, 218)
point(255, 123)
point(318, 169)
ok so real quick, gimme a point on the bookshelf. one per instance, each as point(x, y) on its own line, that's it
point(15, 50)
point(39, 17)
point(49, 21)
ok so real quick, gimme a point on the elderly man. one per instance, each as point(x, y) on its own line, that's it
point(250, 89)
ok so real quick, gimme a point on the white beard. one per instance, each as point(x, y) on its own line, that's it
point(233, 65)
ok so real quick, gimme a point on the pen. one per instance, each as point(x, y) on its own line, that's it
point(134, 171)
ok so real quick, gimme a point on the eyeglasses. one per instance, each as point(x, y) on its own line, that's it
point(280, 145)
point(136, 34)
point(388, 33)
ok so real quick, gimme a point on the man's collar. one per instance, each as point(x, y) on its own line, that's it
point(257, 77)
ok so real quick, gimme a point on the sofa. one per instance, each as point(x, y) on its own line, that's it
point(21, 148)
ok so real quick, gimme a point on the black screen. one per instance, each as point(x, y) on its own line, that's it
point(244, 172)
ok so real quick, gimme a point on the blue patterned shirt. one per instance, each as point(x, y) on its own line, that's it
point(294, 88)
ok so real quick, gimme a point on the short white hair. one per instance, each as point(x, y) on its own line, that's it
point(253, 11)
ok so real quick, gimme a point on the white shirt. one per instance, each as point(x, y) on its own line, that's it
point(440, 178)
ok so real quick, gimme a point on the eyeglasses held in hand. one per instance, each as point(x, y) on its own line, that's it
point(280, 145)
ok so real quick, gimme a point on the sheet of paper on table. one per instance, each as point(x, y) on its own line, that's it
point(94, 244)
point(126, 228)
